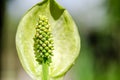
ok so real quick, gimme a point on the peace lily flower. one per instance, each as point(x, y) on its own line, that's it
point(47, 41)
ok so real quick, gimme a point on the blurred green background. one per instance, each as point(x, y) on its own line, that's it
point(99, 26)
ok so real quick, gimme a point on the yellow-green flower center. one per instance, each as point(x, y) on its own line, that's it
point(43, 42)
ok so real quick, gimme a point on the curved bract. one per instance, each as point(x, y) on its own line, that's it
point(65, 36)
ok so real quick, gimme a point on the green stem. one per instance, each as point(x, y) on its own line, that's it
point(45, 71)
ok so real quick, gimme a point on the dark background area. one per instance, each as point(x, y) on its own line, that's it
point(2, 11)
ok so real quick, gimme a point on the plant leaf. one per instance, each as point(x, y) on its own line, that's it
point(55, 9)
point(65, 35)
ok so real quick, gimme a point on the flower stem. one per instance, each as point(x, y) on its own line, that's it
point(45, 71)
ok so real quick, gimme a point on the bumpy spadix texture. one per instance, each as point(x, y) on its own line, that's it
point(43, 42)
